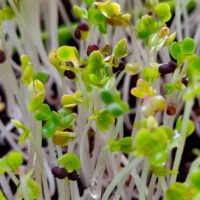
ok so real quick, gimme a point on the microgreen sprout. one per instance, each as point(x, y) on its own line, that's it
point(107, 98)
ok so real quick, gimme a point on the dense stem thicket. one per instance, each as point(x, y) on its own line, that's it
point(95, 96)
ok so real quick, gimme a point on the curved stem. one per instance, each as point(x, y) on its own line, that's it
point(179, 152)
point(143, 181)
point(151, 187)
point(163, 185)
point(120, 176)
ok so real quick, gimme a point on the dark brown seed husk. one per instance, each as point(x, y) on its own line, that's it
point(91, 48)
point(83, 27)
point(115, 69)
point(73, 176)
point(59, 172)
point(120, 67)
point(80, 27)
point(77, 33)
point(69, 74)
point(167, 68)
point(185, 80)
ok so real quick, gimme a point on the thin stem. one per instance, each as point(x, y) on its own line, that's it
point(143, 181)
point(163, 185)
point(178, 19)
point(179, 152)
point(117, 179)
point(5, 187)
point(13, 177)
point(152, 187)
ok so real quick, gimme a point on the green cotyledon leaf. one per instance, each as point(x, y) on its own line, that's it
point(70, 162)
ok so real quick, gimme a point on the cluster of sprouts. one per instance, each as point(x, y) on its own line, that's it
point(107, 117)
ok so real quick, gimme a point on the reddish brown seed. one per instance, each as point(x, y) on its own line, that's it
point(91, 48)
point(167, 68)
point(80, 27)
point(171, 110)
point(59, 172)
point(73, 176)
point(2, 56)
point(83, 27)
point(77, 33)
point(69, 74)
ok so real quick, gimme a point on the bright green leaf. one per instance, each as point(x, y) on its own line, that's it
point(126, 144)
point(158, 158)
point(18, 124)
point(114, 146)
point(25, 135)
point(89, 1)
point(71, 100)
point(180, 191)
point(109, 9)
point(150, 142)
point(64, 111)
point(25, 61)
point(30, 189)
point(70, 162)
point(79, 12)
point(189, 129)
point(49, 129)
point(40, 76)
point(104, 120)
point(120, 50)
point(107, 96)
point(146, 26)
point(115, 109)
point(8, 12)
point(27, 75)
point(150, 74)
point(175, 50)
point(14, 160)
point(161, 170)
point(188, 46)
point(36, 102)
point(68, 53)
point(55, 118)
point(33, 189)
point(39, 86)
point(3, 165)
point(162, 10)
point(43, 113)
point(193, 68)
point(195, 179)
point(68, 120)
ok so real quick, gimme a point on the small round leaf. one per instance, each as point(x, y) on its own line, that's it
point(175, 50)
point(70, 162)
point(188, 46)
